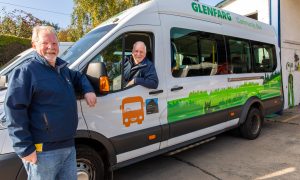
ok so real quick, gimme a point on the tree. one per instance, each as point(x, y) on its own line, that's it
point(7, 26)
point(67, 35)
point(63, 35)
point(15, 32)
point(20, 23)
point(87, 14)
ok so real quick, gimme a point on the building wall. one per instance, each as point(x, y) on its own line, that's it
point(290, 49)
point(246, 7)
point(290, 23)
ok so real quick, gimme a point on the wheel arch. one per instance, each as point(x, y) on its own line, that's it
point(100, 143)
point(251, 102)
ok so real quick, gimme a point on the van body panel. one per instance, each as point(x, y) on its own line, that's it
point(197, 10)
point(184, 118)
point(137, 152)
point(109, 113)
point(2, 135)
point(272, 105)
point(209, 130)
point(114, 113)
point(6, 143)
point(81, 121)
point(106, 118)
point(134, 123)
point(136, 140)
point(186, 126)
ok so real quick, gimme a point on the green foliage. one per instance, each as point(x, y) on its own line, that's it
point(10, 46)
point(67, 35)
point(87, 14)
point(202, 102)
point(20, 23)
point(15, 32)
point(8, 26)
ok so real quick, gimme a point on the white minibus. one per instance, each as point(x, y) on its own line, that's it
point(217, 71)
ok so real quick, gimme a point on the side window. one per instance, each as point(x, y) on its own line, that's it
point(111, 56)
point(264, 57)
point(239, 56)
point(115, 54)
point(194, 53)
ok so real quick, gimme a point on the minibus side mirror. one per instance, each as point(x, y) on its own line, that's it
point(97, 74)
point(3, 82)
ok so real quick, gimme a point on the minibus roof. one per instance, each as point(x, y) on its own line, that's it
point(191, 9)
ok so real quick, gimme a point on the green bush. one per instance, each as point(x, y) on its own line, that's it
point(10, 46)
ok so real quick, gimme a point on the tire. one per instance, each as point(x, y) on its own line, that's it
point(253, 124)
point(90, 164)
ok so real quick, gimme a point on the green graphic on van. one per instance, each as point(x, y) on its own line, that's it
point(248, 23)
point(202, 102)
point(203, 9)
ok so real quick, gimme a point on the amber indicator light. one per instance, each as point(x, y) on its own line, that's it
point(152, 136)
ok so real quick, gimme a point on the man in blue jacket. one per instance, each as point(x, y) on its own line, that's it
point(138, 69)
point(42, 110)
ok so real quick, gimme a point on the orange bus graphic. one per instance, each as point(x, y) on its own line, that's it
point(132, 110)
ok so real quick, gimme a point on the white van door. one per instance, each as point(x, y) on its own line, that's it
point(194, 76)
point(130, 117)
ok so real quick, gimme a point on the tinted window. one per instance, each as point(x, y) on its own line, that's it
point(239, 56)
point(264, 57)
point(195, 53)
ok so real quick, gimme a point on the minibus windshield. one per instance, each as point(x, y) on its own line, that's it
point(83, 44)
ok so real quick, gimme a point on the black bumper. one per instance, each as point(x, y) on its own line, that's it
point(11, 167)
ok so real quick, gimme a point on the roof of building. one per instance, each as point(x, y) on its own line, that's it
point(224, 3)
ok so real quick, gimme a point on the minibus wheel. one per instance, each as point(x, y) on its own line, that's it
point(90, 164)
point(253, 124)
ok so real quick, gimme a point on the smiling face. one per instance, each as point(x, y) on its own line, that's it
point(138, 52)
point(47, 46)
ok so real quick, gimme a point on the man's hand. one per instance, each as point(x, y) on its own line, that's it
point(90, 99)
point(130, 83)
point(31, 158)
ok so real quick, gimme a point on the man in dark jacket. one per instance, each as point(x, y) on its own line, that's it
point(138, 69)
point(42, 110)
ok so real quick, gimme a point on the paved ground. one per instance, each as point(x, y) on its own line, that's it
point(274, 155)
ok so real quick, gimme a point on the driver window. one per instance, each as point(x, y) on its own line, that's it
point(112, 56)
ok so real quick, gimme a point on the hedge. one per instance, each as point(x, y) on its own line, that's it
point(10, 46)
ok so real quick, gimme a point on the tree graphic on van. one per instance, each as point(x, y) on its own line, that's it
point(132, 110)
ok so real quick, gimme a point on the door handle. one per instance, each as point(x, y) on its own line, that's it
point(156, 92)
point(176, 88)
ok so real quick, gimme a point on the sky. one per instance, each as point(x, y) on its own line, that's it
point(55, 11)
